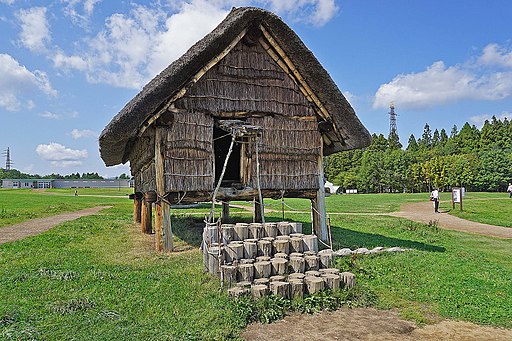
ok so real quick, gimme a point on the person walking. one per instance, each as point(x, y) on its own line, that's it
point(434, 196)
point(509, 189)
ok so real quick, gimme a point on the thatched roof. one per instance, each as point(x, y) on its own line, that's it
point(118, 136)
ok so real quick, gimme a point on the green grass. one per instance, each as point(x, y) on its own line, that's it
point(17, 205)
point(99, 278)
point(493, 210)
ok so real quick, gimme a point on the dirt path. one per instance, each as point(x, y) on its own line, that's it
point(36, 226)
point(368, 324)
point(424, 213)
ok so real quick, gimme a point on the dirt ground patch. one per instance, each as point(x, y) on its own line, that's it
point(35, 226)
point(369, 324)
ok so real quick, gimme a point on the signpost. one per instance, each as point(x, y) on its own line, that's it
point(457, 194)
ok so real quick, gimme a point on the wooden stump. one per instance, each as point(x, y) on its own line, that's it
point(212, 233)
point(296, 275)
point(229, 274)
point(279, 266)
point(280, 289)
point(282, 246)
point(280, 255)
point(246, 261)
point(264, 248)
point(313, 273)
point(214, 259)
point(276, 278)
point(332, 281)
point(241, 231)
point(250, 250)
point(283, 238)
point(228, 233)
point(246, 272)
point(329, 271)
point(296, 264)
point(256, 230)
point(309, 253)
point(296, 254)
point(310, 243)
point(326, 258)
point(296, 244)
point(243, 284)
point(284, 228)
point(237, 292)
point(263, 259)
point(314, 284)
point(234, 251)
point(270, 239)
point(262, 269)
point(264, 281)
point(311, 262)
point(348, 279)
point(296, 227)
point(296, 288)
point(259, 290)
point(270, 230)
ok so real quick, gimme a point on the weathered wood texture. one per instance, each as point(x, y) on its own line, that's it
point(247, 79)
point(189, 153)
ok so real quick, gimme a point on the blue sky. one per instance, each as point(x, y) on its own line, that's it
point(68, 66)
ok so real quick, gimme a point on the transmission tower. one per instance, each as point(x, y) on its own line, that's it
point(392, 118)
point(8, 160)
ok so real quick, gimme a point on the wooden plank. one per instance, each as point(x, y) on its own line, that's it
point(164, 230)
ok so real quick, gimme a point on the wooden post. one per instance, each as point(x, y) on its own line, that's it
point(318, 211)
point(258, 212)
point(146, 219)
point(137, 206)
point(225, 211)
point(165, 228)
point(158, 227)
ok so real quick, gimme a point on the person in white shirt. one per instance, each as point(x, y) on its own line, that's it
point(509, 189)
point(435, 197)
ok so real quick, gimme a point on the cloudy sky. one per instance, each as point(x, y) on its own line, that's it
point(68, 66)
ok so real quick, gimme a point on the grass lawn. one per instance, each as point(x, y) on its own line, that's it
point(98, 277)
point(17, 205)
point(487, 208)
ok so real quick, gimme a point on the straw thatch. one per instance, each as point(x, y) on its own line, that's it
point(120, 136)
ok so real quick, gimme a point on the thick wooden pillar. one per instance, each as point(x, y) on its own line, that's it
point(318, 212)
point(137, 207)
point(164, 229)
point(158, 227)
point(225, 210)
point(258, 212)
point(146, 217)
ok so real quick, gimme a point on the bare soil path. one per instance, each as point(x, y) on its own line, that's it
point(423, 212)
point(35, 226)
point(368, 324)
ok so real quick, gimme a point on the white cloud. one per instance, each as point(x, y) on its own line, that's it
point(493, 54)
point(78, 134)
point(60, 155)
point(17, 82)
point(50, 115)
point(134, 47)
point(79, 11)
point(440, 84)
point(35, 32)
point(8, 2)
point(479, 120)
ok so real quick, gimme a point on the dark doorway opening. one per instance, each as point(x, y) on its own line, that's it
point(221, 143)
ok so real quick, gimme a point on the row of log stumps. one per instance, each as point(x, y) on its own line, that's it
point(272, 258)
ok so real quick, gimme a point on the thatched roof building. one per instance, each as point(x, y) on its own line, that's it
point(251, 78)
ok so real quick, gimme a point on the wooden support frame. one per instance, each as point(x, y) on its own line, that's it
point(163, 226)
point(318, 211)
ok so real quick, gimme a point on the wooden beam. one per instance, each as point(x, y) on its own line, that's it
point(318, 211)
point(146, 220)
point(164, 229)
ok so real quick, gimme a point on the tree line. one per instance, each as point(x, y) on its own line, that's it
point(477, 159)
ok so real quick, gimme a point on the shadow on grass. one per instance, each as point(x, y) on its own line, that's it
point(353, 239)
